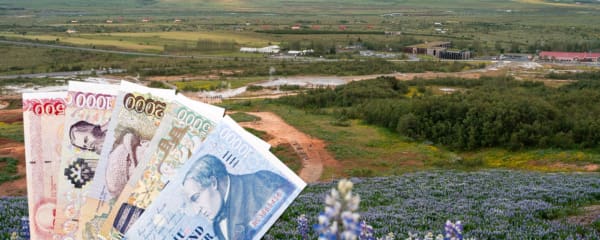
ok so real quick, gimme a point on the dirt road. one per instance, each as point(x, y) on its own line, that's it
point(310, 149)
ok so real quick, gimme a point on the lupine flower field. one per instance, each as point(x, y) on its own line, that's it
point(496, 204)
point(12, 209)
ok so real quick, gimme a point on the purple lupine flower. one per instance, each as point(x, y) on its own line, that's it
point(366, 231)
point(340, 220)
point(24, 228)
point(302, 221)
point(453, 231)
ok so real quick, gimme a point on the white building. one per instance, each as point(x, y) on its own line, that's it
point(300, 53)
point(268, 49)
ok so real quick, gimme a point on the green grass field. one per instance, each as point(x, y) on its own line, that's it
point(12, 131)
point(8, 169)
point(198, 85)
point(249, 39)
point(365, 150)
point(488, 27)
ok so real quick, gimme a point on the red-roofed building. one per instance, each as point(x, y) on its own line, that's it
point(570, 56)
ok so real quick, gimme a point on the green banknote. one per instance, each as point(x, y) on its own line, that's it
point(138, 113)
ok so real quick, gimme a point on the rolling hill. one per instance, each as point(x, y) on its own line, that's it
point(334, 6)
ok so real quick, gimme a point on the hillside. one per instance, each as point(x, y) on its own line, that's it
point(293, 7)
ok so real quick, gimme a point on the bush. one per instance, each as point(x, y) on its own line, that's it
point(254, 88)
point(9, 170)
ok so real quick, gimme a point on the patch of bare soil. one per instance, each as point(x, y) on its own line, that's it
point(9, 148)
point(310, 149)
point(588, 216)
point(575, 167)
point(591, 167)
point(4, 104)
point(11, 115)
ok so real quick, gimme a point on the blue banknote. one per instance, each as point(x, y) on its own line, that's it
point(230, 188)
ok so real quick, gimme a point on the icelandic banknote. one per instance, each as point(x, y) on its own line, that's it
point(88, 110)
point(43, 121)
point(137, 115)
point(228, 189)
point(183, 129)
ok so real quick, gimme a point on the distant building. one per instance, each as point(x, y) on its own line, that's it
point(429, 48)
point(300, 53)
point(69, 31)
point(455, 54)
point(177, 20)
point(74, 21)
point(392, 33)
point(515, 57)
point(295, 27)
point(438, 49)
point(448, 90)
point(569, 56)
point(145, 20)
point(268, 49)
point(369, 53)
point(109, 21)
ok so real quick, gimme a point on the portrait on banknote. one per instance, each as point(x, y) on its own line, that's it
point(87, 136)
point(231, 188)
point(128, 150)
point(231, 201)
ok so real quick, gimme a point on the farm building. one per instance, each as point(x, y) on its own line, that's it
point(515, 57)
point(570, 56)
point(268, 49)
point(454, 54)
point(429, 48)
point(300, 53)
point(438, 49)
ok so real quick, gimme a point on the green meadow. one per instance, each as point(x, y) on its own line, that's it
point(365, 150)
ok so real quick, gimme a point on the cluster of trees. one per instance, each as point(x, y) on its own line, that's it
point(9, 171)
point(564, 45)
point(575, 75)
point(490, 112)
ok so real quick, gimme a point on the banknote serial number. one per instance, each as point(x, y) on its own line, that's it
point(189, 118)
point(141, 104)
point(94, 101)
point(45, 106)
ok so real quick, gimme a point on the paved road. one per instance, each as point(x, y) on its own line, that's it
point(62, 74)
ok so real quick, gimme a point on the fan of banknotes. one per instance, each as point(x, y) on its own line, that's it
point(131, 162)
